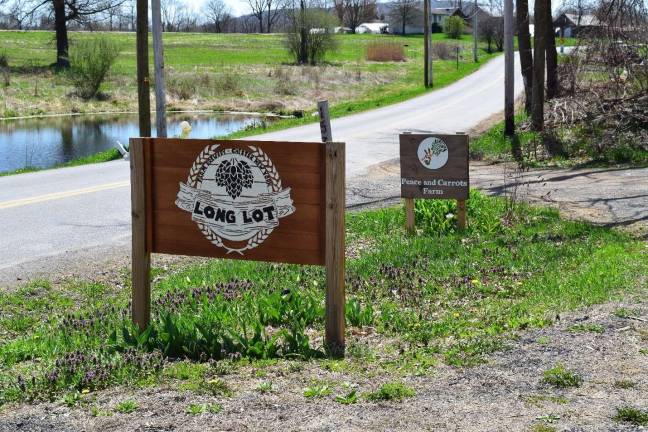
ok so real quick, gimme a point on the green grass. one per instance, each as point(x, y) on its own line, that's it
point(581, 151)
point(104, 156)
point(442, 296)
point(587, 328)
point(560, 377)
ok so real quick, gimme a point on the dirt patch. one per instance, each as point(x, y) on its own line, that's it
point(505, 394)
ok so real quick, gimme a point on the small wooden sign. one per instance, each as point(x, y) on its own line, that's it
point(434, 166)
point(251, 200)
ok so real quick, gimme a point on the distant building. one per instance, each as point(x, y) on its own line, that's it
point(440, 10)
point(373, 28)
point(570, 25)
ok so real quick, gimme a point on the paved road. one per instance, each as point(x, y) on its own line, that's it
point(52, 216)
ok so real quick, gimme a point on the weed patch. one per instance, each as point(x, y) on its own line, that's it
point(394, 391)
point(632, 415)
point(561, 377)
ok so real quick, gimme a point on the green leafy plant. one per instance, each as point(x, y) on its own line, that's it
point(357, 315)
point(317, 391)
point(265, 387)
point(126, 407)
point(348, 398)
point(72, 399)
point(395, 391)
point(561, 377)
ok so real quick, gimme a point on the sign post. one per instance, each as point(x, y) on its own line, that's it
point(434, 166)
point(248, 200)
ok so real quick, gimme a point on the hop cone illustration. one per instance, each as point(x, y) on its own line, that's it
point(234, 175)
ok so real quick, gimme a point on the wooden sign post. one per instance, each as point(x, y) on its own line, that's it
point(251, 200)
point(434, 166)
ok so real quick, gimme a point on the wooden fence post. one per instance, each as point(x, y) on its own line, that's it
point(410, 224)
point(141, 258)
point(461, 214)
point(143, 84)
point(335, 249)
point(325, 121)
point(158, 60)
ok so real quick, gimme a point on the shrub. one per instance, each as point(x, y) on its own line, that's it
point(443, 50)
point(385, 51)
point(4, 69)
point(311, 36)
point(189, 85)
point(91, 61)
point(454, 27)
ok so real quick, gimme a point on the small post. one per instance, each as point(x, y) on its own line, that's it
point(325, 121)
point(509, 70)
point(143, 84)
point(141, 258)
point(410, 224)
point(457, 47)
point(461, 214)
point(335, 248)
point(158, 59)
point(427, 55)
point(475, 58)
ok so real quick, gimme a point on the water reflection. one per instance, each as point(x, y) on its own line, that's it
point(46, 142)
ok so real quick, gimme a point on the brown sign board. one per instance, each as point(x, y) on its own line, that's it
point(252, 200)
point(434, 166)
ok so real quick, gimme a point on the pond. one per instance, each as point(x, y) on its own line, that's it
point(51, 141)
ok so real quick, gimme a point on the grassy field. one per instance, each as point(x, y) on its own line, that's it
point(227, 72)
point(414, 302)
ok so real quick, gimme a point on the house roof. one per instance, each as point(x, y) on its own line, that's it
point(443, 11)
point(585, 20)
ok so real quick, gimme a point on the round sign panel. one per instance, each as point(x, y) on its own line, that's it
point(433, 153)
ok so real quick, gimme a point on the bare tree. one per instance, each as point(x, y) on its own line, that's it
point(524, 47)
point(176, 16)
point(405, 12)
point(552, 55)
point(540, 43)
point(66, 11)
point(491, 31)
point(354, 12)
point(219, 14)
point(258, 8)
point(273, 11)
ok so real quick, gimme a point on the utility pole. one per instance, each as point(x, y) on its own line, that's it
point(475, 33)
point(143, 84)
point(427, 61)
point(158, 59)
point(509, 70)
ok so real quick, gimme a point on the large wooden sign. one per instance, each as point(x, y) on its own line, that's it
point(434, 166)
point(253, 200)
